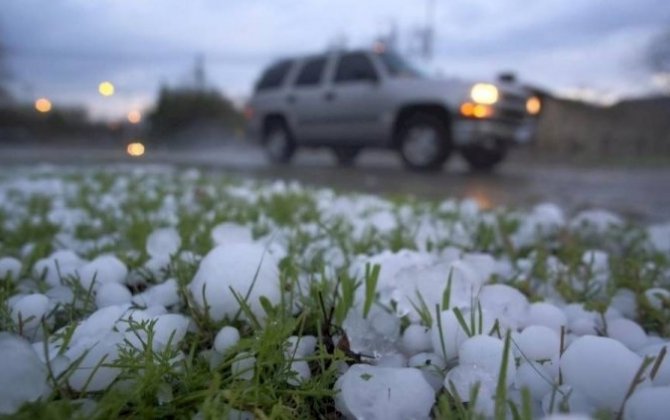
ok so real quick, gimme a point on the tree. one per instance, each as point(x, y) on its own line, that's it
point(4, 73)
point(180, 108)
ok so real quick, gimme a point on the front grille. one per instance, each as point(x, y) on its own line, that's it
point(511, 108)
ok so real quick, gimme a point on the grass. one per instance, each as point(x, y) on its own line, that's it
point(115, 210)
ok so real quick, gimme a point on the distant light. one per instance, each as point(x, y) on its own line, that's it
point(43, 105)
point(533, 105)
point(484, 93)
point(134, 117)
point(135, 149)
point(106, 88)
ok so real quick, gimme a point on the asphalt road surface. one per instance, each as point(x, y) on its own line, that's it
point(640, 193)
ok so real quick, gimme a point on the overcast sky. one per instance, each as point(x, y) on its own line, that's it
point(63, 48)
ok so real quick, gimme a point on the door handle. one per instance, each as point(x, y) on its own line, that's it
point(329, 96)
point(291, 99)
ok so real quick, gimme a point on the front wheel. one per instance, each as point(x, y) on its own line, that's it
point(278, 142)
point(424, 142)
point(484, 158)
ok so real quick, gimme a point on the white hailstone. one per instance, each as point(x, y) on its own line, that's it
point(300, 371)
point(246, 269)
point(659, 237)
point(396, 360)
point(103, 269)
point(483, 264)
point(10, 268)
point(432, 367)
point(461, 380)
point(648, 404)
point(231, 233)
point(112, 294)
point(626, 302)
point(373, 393)
point(581, 321)
point(226, 338)
point(416, 339)
point(90, 374)
point(384, 324)
point(656, 296)
point(662, 377)
point(596, 221)
point(58, 265)
point(170, 328)
point(99, 323)
point(447, 340)
point(60, 295)
point(157, 265)
point(601, 368)
point(365, 338)
point(24, 376)
point(538, 342)
point(536, 377)
point(300, 346)
point(430, 281)
point(165, 294)
point(505, 303)
point(163, 242)
point(29, 310)
point(487, 352)
point(542, 313)
point(566, 396)
point(629, 333)
point(243, 366)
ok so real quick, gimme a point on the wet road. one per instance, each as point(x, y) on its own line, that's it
point(639, 193)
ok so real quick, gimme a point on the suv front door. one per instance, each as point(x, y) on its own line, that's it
point(305, 101)
point(355, 100)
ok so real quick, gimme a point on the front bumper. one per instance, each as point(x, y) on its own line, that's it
point(468, 132)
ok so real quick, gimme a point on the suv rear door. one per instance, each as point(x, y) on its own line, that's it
point(305, 102)
point(356, 100)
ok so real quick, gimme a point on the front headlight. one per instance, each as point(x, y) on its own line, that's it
point(484, 93)
point(533, 105)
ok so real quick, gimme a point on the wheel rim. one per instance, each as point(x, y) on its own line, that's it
point(421, 145)
point(276, 144)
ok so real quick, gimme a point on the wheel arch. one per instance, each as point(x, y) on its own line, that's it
point(405, 112)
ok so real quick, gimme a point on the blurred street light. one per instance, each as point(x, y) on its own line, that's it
point(43, 105)
point(134, 117)
point(135, 149)
point(106, 88)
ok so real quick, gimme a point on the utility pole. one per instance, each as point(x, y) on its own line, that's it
point(428, 31)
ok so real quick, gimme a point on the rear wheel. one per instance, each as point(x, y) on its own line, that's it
point(278, 142)
point(346, 156)
point(424, 142)
point(484, 158)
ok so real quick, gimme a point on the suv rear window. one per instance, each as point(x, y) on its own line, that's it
point(311, 72)
point(354, 67)
point(274, 76)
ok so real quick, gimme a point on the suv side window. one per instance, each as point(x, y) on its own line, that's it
point(311, 72)
point(274, 76)
point(355, 67)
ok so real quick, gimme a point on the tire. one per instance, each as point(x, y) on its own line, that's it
point(278, 142)
point(484, 159)
point(346, 156)
point(424, 142)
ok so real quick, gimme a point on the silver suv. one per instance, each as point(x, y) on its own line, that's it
point(350, 100)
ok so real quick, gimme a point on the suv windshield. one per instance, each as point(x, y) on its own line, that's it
point(398, 66)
